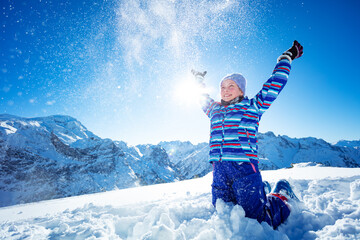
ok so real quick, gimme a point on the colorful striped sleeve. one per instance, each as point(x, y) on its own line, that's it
point(208, 104)
point(273, 86)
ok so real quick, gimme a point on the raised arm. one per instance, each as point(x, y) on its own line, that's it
point(278, 78)
point(207, 103)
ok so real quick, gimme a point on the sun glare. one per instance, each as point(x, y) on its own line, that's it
point(188, 91)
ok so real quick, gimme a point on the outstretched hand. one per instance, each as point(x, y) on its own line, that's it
point(198, 74)
point(295, 51)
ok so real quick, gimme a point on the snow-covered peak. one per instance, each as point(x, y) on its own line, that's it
point(57, 156)
point(66, 128)
point(353, 144)
point(284, 151)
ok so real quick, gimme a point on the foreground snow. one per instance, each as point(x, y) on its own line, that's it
point(330, 208)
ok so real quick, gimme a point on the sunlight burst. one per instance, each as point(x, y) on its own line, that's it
point(188, 91)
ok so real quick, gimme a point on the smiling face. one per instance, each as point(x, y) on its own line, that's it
point(230, 90)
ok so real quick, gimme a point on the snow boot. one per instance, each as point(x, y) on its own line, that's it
point(267, 187)
point(284, 191)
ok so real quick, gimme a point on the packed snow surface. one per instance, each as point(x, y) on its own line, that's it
point(329, 209)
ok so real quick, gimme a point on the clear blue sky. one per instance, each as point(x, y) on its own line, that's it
point(117, 66)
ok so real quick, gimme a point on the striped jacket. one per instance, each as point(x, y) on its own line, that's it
point(234, 128)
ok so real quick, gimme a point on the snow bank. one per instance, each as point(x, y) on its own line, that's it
point(329, 209)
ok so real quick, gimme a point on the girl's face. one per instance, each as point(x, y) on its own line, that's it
point(230, 90)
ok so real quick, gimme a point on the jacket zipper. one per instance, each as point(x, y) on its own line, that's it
point(248, 138)
point(223, 135)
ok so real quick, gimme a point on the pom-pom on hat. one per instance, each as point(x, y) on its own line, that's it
point(238, 79)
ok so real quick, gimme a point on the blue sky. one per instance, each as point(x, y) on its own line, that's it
point(119, 66)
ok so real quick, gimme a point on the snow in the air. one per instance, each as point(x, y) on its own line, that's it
point(329, 209)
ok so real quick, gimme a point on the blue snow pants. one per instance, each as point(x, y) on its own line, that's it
point(241, 183)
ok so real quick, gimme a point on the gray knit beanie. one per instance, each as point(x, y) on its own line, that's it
point(238, 79)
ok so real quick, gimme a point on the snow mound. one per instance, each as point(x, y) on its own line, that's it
point(329, 209)
point(355, 190)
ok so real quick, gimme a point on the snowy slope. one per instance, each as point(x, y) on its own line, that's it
point(330, 209)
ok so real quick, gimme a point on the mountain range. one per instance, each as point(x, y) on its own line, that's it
point(56, 156)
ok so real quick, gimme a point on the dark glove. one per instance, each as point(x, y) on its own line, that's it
point(295, 51)
point(198, 74)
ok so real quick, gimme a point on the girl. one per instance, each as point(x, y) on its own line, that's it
point(233, 143)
